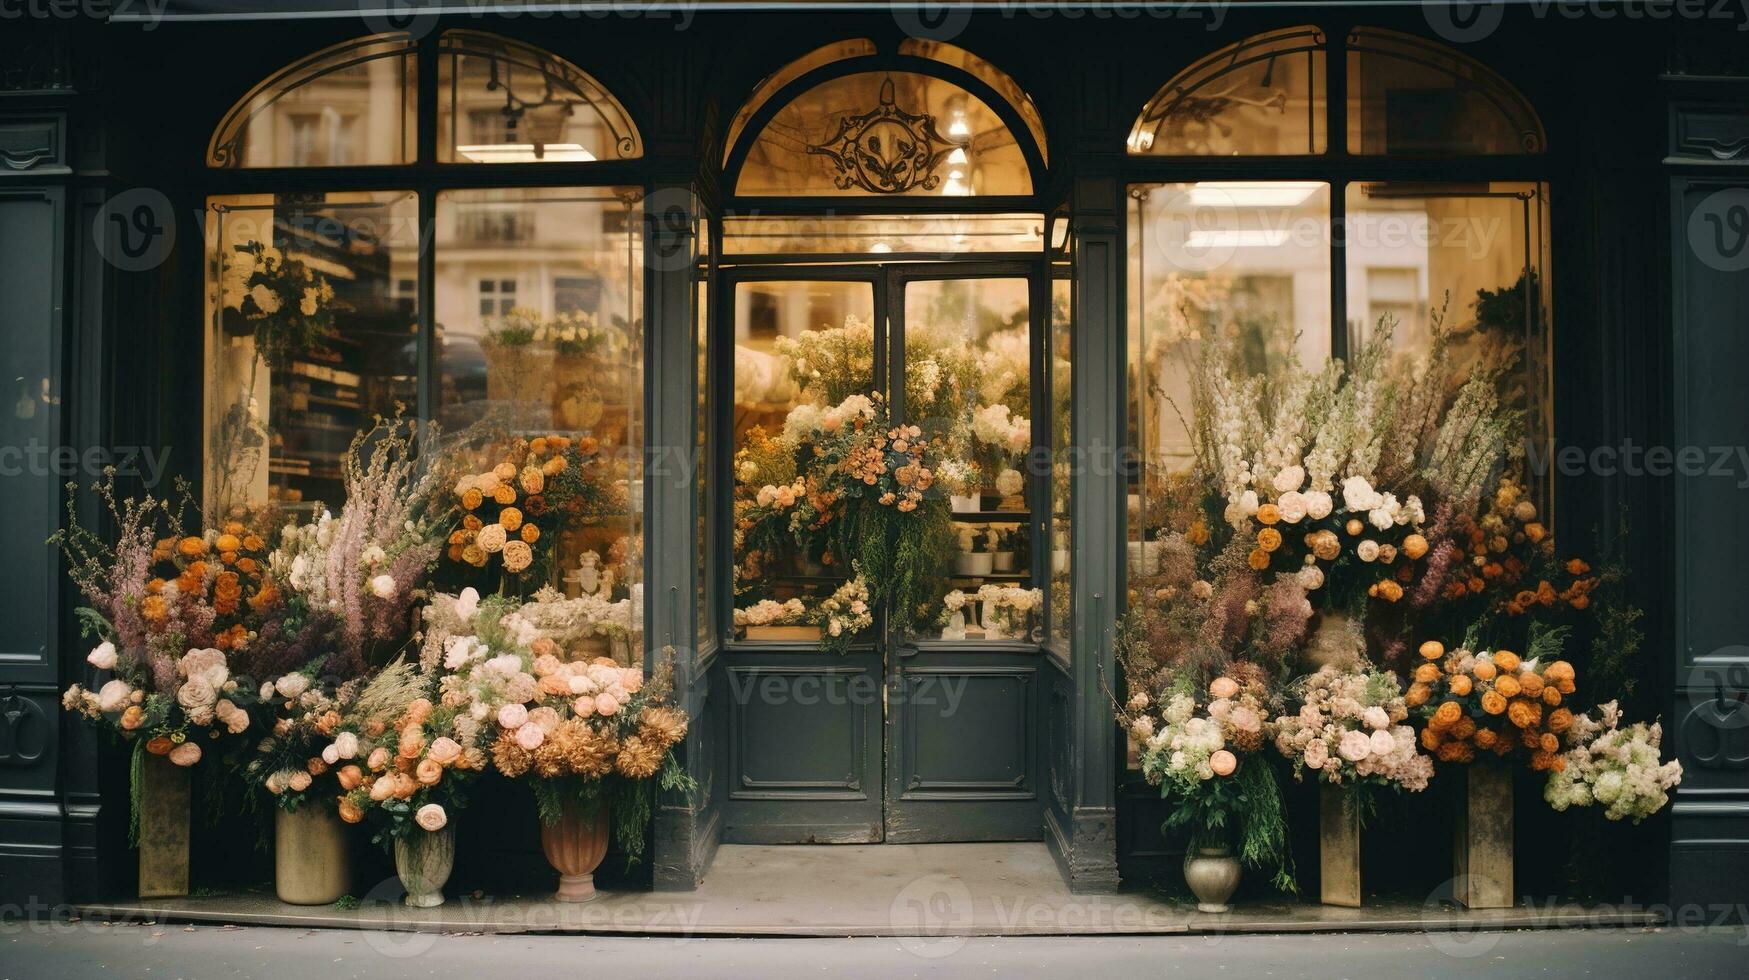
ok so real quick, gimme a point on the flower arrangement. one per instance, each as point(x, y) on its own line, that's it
point(845, 613)
point(286, 305)
point(1492, 702)
point(1205, 755)
point(1007, 608)
point(767, 612)
point(1350, 730)
point(1619, 769)
point(577, 730)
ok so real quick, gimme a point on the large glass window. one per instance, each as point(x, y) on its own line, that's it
point(311, 334)
point(1063, 463)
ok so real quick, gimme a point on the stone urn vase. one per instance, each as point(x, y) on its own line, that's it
point(574, 846)
point(423, 860)
point(1213, 876)
point(310, 861)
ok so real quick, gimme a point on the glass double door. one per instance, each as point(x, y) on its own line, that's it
point(919, 720)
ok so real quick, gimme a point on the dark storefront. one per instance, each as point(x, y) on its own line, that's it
point(658, 172)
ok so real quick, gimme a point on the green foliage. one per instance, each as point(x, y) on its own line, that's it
point(1242, 812)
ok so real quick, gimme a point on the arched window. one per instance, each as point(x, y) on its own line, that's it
point(348, 105)
point(931, 120)
point(1411, 97)
point(501, 101)
point(1246, 220)
point(1263, 96)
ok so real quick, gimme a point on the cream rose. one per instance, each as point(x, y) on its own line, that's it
point(512, 716)
point(431, 817)
point(103, 657)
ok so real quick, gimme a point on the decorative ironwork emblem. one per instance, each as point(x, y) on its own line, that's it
point(886, 150)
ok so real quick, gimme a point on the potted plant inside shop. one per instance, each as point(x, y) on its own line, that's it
point(976, 557)
point(1002, 557)
point(591, 738)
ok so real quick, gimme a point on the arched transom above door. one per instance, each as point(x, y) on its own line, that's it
point(928, 119)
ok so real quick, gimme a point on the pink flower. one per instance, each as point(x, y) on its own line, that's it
point(606, 705)
point(1383, 743)
point(346, 745)
point(530, 736)
point(299, 781)
point(632, 679)
point(186, 754)
point(1317, 754)
point(1223, 762)
point(113, 696)
point(431, 817)
point(379, 757)
point(1355, 746)
point(584, 707)
point(1376, 718)
point(512, 716)
point(444, 750)
point(546, 718)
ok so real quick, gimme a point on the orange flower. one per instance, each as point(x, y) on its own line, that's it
point(472, 522)
point(1507, 661)
point(1525, 714)
point(1560, 720)
point(192, 547)
point(1426, 673)
point(472, 498)
point(1508, 686)
point(1485, 738)
point(227, 593)
point(1269, 539)
point(530, 533)
point(1456, 752)
point(1460, 685)
point(160, 745)
point(228, 542)
point(349, 810)
point(1258, 559)
point(1414, 546)
point(1551, 696)
point(1197, 534)
point(1464, 729)
point(253, 542)
point(1550, 743)
point(1429, 739)
point(505, 494)
point(1446, 715)
point(1577, 566)
point(1535, 532)
point(1484, 671)
point(428, 773)
point(350, 777)
point(1532, 684)
point(1432, 650)
point(1417, 695)
point(511, 518)
point(1269, 514)
point(154, 610)
point(1493, 703)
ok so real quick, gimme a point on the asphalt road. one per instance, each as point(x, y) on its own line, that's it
point(86, 950)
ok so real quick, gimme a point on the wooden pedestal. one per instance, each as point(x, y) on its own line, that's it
point(1482, 844)
point(1338, 846)
point(165, 804)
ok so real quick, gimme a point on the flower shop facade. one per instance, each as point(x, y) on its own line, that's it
point(873, 347)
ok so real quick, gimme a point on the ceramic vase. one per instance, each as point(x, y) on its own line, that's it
point(423, 859)
point(575, 846)
point(1213, 876)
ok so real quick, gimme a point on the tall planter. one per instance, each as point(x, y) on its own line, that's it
point(1338, 845)
point(1482, 843)
point(165, 795)
point(310, 861)
point(575, 846)
point(424, 859)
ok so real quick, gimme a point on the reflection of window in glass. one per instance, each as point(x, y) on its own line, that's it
point(885, 133)
point(1472, 252)
point(1263, 96)
point(777, 390)
point(968, 383)
point(1411, 97)
point(309, 337)
point(543, 359)
point(351, 104)
point(1061, 616)
point(1249, 260)
point(501, 101)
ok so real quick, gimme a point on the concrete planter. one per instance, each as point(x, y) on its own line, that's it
point(165, 793)
point(1481, 871)
point(1338, 846)
point(575, 846)
point(310, 861)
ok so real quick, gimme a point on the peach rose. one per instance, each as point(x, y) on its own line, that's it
point(186, 754)
point(530, 736)
point(379, 757)
point(349, 811)
point(383, 788)
point(1223, 762)
point(412, 744)
point(606, 705)
point(405, 786)
point(431, 817)
point(351, 777)
point(444, 750)
point(512, 717)
point(1223, 687)
point(428, 773)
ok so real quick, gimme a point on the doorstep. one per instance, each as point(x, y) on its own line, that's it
point(863, 890)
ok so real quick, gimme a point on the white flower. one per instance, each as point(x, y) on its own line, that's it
point(346, 745)
point(1318, 505)
point(291, 685)
point(467, 604)
point(1367, 550)
point(1311, 578)
point(1009, 482)
point(103, 657)
point(1358, 494)
point(383, 586)
point(372, 555)
point(1380, 517)
point(1290, 479)
point(114, 695)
